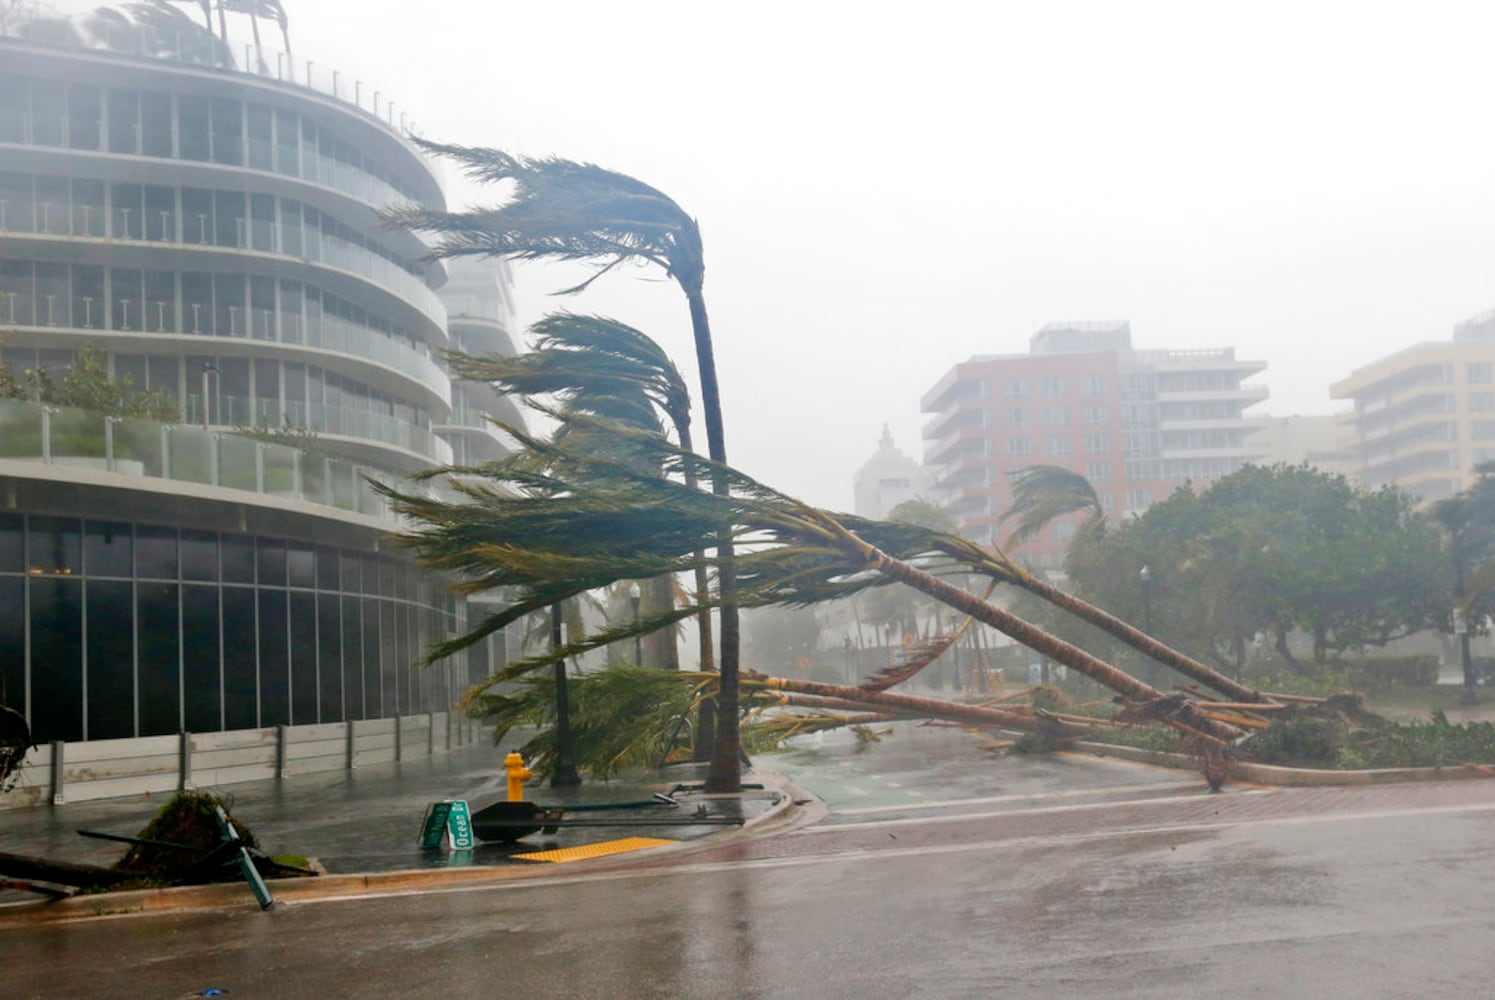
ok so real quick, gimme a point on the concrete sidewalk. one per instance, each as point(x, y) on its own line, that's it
point(367, 822)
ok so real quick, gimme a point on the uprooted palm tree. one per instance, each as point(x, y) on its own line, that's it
point(566, 521)
point(563, 210)
point(1044, 493)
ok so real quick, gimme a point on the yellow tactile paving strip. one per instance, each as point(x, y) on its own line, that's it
point(601, 850)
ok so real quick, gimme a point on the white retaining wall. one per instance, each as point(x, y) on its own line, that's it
point(101, 769)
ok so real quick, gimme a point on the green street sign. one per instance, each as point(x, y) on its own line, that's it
point(450, 819)
point(433, 827)
point(459, 826)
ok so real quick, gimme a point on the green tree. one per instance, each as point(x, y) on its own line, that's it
point(1267, 552)
point(86, 385)
point(1468, 521)
point(563, 210)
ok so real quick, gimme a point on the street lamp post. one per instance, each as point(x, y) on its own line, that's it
point(1145, 575)
point(634, 594)
point(565, 775)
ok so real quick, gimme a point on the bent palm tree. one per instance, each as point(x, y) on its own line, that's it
point(604, 367)
point(589, 521)
point(563, 210)
point(1043, 493)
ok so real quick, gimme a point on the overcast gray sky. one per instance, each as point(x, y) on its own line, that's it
point(886, 189)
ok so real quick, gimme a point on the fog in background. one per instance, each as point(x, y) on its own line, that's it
point(887, 189)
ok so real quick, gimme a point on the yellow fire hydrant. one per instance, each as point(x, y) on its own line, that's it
point(518, 775)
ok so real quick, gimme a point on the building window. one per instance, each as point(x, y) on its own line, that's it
point(1481, 402)
point(1095, 385)
point(1098, 472)
point(1016, 388)
point(1482, 372)
point(1482, 430)
point(1017, 418)
point(1095, 416)
point(1055, 385)
point(1138, 499)
point(1097, 444)
point(1017, 446)
point(1059, 445)
point(1056, 417)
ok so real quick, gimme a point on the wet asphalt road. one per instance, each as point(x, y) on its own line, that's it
point(941, 872)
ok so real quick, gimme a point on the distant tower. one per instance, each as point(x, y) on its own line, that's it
point(887, 479)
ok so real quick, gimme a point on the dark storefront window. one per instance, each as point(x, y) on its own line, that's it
point(160, 689)
point(111, 659)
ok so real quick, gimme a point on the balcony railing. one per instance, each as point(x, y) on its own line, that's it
point(146, 449)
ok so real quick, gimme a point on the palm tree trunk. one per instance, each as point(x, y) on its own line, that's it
point(725, 773)
point(1141, 641)
point(1030, 635)
point(902, 704)
point(706, 710)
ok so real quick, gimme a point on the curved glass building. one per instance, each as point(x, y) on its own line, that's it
point(212, 233)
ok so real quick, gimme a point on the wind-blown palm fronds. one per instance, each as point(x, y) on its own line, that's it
point(1043, 493)
point(584, 522)
point(563, 210)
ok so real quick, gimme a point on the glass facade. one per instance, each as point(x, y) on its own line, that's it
point(112, 630)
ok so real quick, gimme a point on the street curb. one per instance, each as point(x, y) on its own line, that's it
point(236, 895)
point(1286, 777)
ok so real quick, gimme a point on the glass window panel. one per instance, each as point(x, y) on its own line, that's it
point(126, 293)
point(287, 143)
point(159, 304)
point(156, 552)
point(85, 115)
point(12, 547)
point(262, 308)
point(54, 546)
point(228, 131)
point(389, 669)
point(200, 663)
point(199, 555)
point(48, 112)
point(107, 549)
point(240, 642)
point(238, 558)
point(230, 221)
point(159, 704)
point(305, 685)
point(197, 216)
point(373, 704)
point(197, 302)
point(155, 124)
point(88, 296)
point(228, 303)
point(163, 372)
point(13, 642)
point(327, 569)
point(89, 212)
point(13, 109)
point(261, 151)
point(111, 659)
point(352, 650)
point(53, 302)
point(160, 214)
point(127, 207)
point(262, 222)
point(272, 563)
point(124, 121)
point(329, 658)
point(57, 656)
point(275, 701)
point(301, 566)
